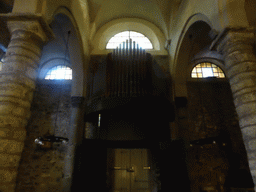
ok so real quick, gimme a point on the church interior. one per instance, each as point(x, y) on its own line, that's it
point(127, 95)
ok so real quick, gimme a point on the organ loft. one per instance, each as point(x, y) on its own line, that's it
point(127, 95)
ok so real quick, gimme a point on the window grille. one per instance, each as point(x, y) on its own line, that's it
point(60, 72)
point(204, 70)
point(139, 38)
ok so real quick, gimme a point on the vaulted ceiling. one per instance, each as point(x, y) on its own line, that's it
point(156, 11)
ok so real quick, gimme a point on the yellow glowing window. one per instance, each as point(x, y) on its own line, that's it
point(60, 72)
point(204, 70)
point(139, 38)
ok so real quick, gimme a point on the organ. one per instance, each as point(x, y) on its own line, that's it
point(128, 76)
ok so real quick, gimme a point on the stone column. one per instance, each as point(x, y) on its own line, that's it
point(17, 83)
point(75, 137)
point(237, 46)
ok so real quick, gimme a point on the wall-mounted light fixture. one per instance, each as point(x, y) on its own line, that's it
point(47, 141)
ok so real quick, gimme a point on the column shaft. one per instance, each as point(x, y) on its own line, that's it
point(17, 83)
point(240, 61)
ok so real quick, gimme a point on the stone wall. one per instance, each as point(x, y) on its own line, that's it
point(41, 169)
point(211, 109)
point(217, 156)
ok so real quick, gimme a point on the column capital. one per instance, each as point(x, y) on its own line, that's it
point(32, 23)
point(232, 36)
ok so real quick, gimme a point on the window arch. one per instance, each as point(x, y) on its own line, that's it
point(59, 72)
point(139, 38)
point(207, 69)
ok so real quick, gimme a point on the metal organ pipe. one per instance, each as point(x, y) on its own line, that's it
point(129, 71)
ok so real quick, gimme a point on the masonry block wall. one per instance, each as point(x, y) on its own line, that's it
point(41, 170)
point(215, 166)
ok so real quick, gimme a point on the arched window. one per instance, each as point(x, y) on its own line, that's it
point(60, 72)
point(139, 38)
point(207, 69)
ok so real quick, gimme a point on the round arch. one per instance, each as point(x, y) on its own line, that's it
point(65, 49)
point(193, 41)
point(148, 29)
point(191, 20)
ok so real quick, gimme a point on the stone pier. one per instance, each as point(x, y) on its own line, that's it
point(17, 83)
point(237, 46)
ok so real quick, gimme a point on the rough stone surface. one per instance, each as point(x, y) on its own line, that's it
point(247, 121)
point(245, 98)
point(7, 175)
point(252, 144)
point(41, 170)
point(211, 113)
point(249, 132)
point(246, 109)
point(238, 49)
point(7, 160)
point(11, 146)
point(211, 109)
point(7, 187)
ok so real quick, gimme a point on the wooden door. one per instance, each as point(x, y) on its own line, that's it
point(131, 171)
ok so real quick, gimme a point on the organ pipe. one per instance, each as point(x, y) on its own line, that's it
point(128, 71)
